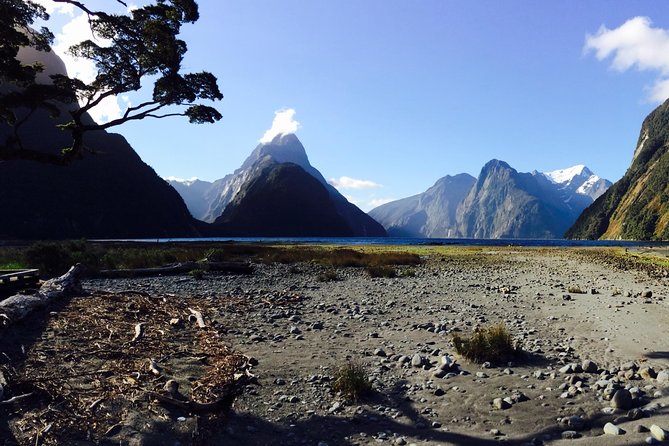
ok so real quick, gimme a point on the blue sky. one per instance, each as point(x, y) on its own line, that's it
point(401, 93)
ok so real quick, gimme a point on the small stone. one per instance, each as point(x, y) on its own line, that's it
point(622, 399)
point(400, 441)
point(640, 428)
point(280, 382)
point(658, 433)
point(663, 376)
point(295, 330)
point(439, 373)
point(500, 404)
point(436, 424)
point(647, 373)
point(335, 407)
point(575, 422)
point(181, 419)
point(495, 432)
point(612, 429)
point(293, 399)
point(570, 435)
point(589, 366)
point(439, 391)
point(647, 293)
point(636, 414)
point(380, 352)
point(417, 360)
point(481, 375)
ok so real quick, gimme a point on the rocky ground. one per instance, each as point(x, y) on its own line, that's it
point(594, 373)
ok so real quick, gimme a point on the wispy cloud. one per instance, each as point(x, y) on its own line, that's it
point(284, 123)
point(352, 183)
point(635, 44)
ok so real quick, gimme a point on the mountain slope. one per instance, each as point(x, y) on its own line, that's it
point(110, 193)
point(637, 206)
point(285, 148)
point(504, 203)
point(430, 214)
point(296, 204)
point(194, 193)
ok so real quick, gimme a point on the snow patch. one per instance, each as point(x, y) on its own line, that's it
point(565, 176)
point(186, 182)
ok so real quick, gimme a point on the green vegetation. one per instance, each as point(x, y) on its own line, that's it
point(197, 274)
point(493, 344)
point(328, 276)
point(54, 258)
point(143, 45)
point(381, 271)
point(351, 381)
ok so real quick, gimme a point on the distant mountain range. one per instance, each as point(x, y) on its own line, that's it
point(501, 203)
point(636, 207)
point(274, 193)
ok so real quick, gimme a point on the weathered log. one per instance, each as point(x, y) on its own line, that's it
point(19, 306)
point(176, 269)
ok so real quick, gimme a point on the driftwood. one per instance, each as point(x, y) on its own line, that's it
point(179, 268)
point(19, 306)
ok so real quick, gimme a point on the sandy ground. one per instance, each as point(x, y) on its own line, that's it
point(301, 330)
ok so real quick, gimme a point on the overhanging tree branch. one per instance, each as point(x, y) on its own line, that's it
point(130, 47)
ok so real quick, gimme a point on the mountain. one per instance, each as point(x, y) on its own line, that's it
point(296, 204)
point(502, 203)
point(507, 204)
point(110, 193)
point(637, 206)
point(430, 214)
point(194, 193)
point(283, 149)
point(578, 182)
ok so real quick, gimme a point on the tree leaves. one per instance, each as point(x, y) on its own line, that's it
point(125, 50)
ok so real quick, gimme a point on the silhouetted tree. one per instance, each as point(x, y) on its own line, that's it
point(127, 48)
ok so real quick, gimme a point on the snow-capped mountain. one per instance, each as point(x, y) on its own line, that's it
point(501, 203)
point(248, 190)
point(578, 180)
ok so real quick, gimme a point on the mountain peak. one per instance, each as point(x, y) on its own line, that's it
point(565, 176)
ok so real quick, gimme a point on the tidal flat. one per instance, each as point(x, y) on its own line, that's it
point(592, 323)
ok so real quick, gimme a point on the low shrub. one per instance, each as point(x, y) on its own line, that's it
point(382, 271)
point(328, 276)
point(351, 381)
point(197, 273)
point(493, 344)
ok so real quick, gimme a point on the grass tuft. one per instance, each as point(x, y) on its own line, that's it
point(352, 381)
point(493, 344)
point(328, 276)
point(381, 271)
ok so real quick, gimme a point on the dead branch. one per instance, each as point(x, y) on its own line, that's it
point(198, 317)
point(179, 268)
point(19, 306)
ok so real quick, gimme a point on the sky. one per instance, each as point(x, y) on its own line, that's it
point(388, 96)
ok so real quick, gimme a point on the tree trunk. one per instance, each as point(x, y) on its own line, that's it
point(19, 306)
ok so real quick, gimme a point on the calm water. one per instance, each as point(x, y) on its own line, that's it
point(414, 241)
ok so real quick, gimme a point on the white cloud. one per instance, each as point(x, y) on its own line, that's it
point(635, 44)
point(282, 124)
point(379, 201)
point(57, 8)
point(76, 31)
point(352, 183)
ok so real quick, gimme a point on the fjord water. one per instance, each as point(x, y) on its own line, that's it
point(408, 241)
